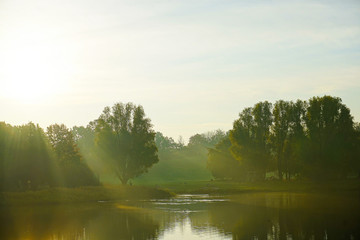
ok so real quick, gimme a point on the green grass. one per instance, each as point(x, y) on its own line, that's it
point(230, 187)
point(83, 194)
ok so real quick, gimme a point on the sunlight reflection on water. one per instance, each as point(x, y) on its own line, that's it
point(245, 216)
point(184, 230)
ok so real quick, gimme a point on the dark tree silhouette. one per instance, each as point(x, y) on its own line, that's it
point(331, 138)
point(249, 139)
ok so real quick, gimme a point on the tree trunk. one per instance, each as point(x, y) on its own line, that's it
point(280, 173)
point(124, 181)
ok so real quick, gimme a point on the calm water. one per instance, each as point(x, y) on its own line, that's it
point(246, 216)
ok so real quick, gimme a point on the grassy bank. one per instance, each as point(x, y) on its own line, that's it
point(83, 194)
point(165, 190)
point(229, 187)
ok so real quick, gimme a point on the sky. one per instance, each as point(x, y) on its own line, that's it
point(192, 65)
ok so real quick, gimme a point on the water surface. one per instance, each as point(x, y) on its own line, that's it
point(244, 216)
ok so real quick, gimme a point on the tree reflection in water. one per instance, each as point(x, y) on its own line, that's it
point(245, 216)
point(288, 216)
point(76, 222)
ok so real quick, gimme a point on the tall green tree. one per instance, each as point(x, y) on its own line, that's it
point(357, 149)
point(295, 143)
point(287, 136)
point(73, 169)
point(63, 143)
point(250, 138)
point(3, 140)
point(126, 139)
point(280, 133)
point(29, 161)
point(331, 136)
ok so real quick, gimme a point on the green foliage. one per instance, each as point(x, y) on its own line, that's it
point(287, 136)
point(31, 160)
point(332, 139)
point(27, 160)
point(316, 140)
point(126, 140)
point(178, 165)
point(63, 144)
point(3, 139)
point(222, 163)
point(164, 143)
point(208, 139)
point(249, 139)
point(182, 163)
point(73, 169)
point(85, 140)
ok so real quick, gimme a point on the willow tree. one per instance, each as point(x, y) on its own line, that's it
point(126, 139)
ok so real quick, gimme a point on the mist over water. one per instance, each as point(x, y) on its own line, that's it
point(244, 216)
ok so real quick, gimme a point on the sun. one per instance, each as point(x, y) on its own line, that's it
point(31, 74)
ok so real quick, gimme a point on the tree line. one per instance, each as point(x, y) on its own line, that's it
point(315, 139)
point(180, 162)
point(31, 158)
point(121, 139)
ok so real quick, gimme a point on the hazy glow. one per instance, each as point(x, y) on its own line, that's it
point(193, 66)
point(31, 75)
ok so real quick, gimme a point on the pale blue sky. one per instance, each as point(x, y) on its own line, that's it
point(193, 65)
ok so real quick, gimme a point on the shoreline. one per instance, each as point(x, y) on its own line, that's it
point(82, 195)
point(168, 190)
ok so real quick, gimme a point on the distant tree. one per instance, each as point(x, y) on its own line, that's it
point(197, 140)
point(74, 171)
point(215, 137)
point(126, 138)
point(208, 139)
point(164, 143)
point(180, 142)
point(182, 163)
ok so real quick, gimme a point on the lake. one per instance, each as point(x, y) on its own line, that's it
point(243, 216)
